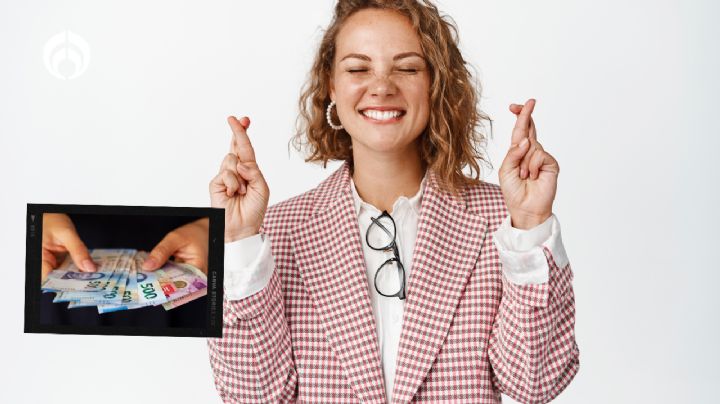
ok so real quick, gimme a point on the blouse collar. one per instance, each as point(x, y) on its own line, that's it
point(413, 202)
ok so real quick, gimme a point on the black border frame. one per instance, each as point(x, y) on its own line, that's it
point(33, 248)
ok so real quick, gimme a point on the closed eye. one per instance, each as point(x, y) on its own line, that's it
point(402, 70)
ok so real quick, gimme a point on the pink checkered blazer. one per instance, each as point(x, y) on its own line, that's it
point(468, 334)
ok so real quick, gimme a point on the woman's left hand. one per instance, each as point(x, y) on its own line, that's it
point(188, 243)
point(528, 175)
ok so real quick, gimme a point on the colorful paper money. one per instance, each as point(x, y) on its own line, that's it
point(120, 284)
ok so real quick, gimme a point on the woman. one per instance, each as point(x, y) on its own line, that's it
point(398, 278)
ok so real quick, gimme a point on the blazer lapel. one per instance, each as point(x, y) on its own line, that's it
point(330, 260)
point(446, 249)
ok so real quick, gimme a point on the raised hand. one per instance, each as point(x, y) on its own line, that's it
point(528, 174)
point(240, 187)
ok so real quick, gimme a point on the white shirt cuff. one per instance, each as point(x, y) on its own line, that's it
point(521, 251)
point(249, 266)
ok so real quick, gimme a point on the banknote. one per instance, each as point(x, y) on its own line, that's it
point(111, 293)
point(185, 299)
point(149, 289)
point(75, 305)
point(114, 294)
point(130, 296)
point(68, 277)
point(178, 280)
point(107, 293)
point(123, 285)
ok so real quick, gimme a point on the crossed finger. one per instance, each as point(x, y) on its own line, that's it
point(525, 128)
point(522, 124)
point(241, 145)
point(534, 145)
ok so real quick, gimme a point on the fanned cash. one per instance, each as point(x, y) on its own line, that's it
point(68, 277)
point(120, 284)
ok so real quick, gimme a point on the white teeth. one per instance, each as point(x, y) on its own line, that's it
point(381, 115)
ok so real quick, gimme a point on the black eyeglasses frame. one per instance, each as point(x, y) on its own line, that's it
point(390, 246)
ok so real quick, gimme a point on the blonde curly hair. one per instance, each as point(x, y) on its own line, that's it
point(450, 142)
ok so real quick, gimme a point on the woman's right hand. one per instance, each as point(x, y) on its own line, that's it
point(240, 187)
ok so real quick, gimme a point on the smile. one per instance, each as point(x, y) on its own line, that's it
point(388, 116)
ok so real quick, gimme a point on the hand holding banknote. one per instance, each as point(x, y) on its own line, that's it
point(188, 244)
point(119, 284)
point(59, 237)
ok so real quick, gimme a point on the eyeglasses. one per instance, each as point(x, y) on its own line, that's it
point(383, 230)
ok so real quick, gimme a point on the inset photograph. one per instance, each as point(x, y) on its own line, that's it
point(124, 270)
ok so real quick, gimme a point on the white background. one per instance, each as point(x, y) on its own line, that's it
point(626, 101)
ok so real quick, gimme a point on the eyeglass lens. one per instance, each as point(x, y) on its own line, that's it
point(389, 278)
point(381, 233)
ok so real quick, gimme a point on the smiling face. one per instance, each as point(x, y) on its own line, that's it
point(380, 82)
